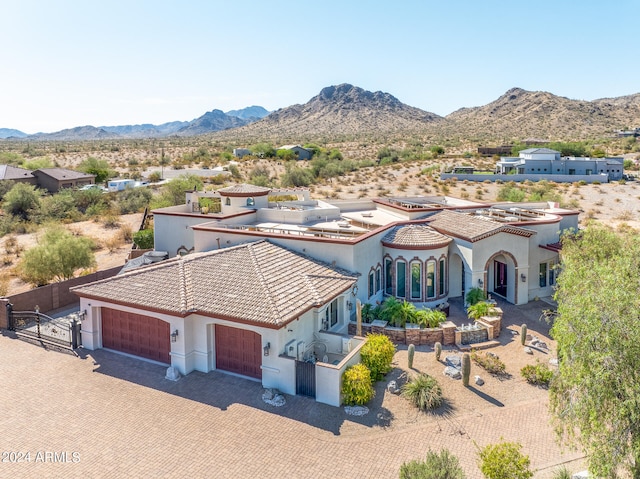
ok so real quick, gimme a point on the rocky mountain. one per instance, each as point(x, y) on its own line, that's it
point(339, 110)
point(520, 114)
point(214, 120)
point(146, 130)
point(11, 133)
point(72, 134)
point(250, 112)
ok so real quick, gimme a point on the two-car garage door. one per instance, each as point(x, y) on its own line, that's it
point(136, 334)
point(238, 351)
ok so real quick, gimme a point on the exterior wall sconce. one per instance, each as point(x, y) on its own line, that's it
point(354, 290)
point(480, 282)
point(523, 277)
point(349, 305)
point(266, 349)
point(174, 336)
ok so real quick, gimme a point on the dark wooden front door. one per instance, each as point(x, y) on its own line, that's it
point(136, 334)
point(238, 351)
point(500, 278)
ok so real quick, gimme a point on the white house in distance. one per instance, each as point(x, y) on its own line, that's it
point(273, 277)
point(544, 161)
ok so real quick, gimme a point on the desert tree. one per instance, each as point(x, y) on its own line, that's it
point(595, 397)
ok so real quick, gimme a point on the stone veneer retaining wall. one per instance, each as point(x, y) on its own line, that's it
point(411, 335)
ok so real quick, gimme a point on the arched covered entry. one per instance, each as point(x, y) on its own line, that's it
point(501, 276)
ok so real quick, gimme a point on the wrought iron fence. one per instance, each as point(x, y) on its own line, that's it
point(34, 324)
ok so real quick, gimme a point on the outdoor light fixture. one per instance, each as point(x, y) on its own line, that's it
point(480, 282)
point(266, 349)
point(354, 290)
point(523, 277)
point(349, 305)
point(174, 336)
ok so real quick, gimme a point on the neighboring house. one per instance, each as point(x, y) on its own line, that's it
point(18, 175)
point(544, 161)
point(284, 276)
point(300, 152)
point(56, 179)
point(240, 152)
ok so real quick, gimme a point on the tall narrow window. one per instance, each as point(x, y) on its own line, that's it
point(334, 312)
point(401, 279)
point(441, 289)
point(371, 284)
point(388, 276)
point(543, 275)
point(416, 280)
point(431, 273)
point(227, 202)
point(378, 273)
point(552, 273)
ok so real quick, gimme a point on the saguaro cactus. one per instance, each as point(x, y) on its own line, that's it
point(410, 353)
point(438, 349)
point(523, 334)
point(466, 369)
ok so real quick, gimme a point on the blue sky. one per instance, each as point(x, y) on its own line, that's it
point(76, 62)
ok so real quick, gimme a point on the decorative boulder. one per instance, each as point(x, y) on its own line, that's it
point(453, 361)
point(479, 380)
point(393, 388)
point(528, 350)
point(453, 373)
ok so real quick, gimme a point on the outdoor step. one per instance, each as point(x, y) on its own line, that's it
point(478, 346)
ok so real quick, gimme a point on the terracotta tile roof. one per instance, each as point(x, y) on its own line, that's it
point(256, 282)
point(63, 173)
point(415, 236)
point(471, 228)
point(244, 188)
point(8, 172)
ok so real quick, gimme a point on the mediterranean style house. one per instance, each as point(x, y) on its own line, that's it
point(263, 282)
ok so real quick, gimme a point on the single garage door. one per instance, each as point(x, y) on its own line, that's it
point(238, 351)
point(136, 334)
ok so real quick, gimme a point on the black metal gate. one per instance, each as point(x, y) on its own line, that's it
point(306, 378)
point(35, 325)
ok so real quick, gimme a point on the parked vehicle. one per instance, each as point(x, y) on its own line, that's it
point(120, 185)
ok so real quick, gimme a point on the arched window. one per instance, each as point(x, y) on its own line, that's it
point(388, 276)
point(378, 274)
point(228, 202)
point(371, 285)
point(416, 280)
point(250, 201)
point(401, 279)
point(431, 276)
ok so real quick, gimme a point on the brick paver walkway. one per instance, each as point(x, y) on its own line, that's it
point(121, 418)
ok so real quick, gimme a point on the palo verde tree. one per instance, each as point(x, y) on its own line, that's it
point(57, 257)
point(95, 166)
point(595, 397)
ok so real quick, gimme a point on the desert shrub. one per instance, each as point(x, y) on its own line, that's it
point(143, 239)
point(5, 279)
point(356, 385)
point(475, 295)
point(377, 354)
point(61, 206)
point(133, 200)
point(126, 233)
point(155, 177)
point(562, 473)
point(442, 465)
point(111, 221)
point(113, 243)
point(504, 461)
point(424, 392)
point(537, 374)
point(489, 362)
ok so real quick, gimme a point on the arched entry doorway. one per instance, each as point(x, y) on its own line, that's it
point(501, 275)
point(456, 276)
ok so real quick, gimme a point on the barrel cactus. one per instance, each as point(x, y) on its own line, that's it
point(523, 334)
point(466, 369)
point(438, 349)
point(410, 353)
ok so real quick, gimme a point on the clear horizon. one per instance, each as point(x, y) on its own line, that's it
point(73, 63)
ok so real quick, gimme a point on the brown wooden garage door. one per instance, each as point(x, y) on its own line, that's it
point(238, 351)
point(136, 334)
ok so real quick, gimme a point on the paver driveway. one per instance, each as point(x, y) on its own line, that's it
point(121, 418)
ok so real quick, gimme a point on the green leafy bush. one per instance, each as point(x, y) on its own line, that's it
point(356, 385)
point(537, 374)
point(377, 354)
point(442, 465)
point(479, 309)
point(504, 461)
point(562, 473)
point(475, 295)
point(424, 392)
point(430, 318)
point(143, 239)
point(489, 362)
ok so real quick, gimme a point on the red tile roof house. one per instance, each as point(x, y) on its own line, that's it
point(275, 276)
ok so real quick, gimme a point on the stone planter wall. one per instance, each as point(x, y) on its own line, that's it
point(411, 335)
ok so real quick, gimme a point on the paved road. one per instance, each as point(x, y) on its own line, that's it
point(113, 416)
